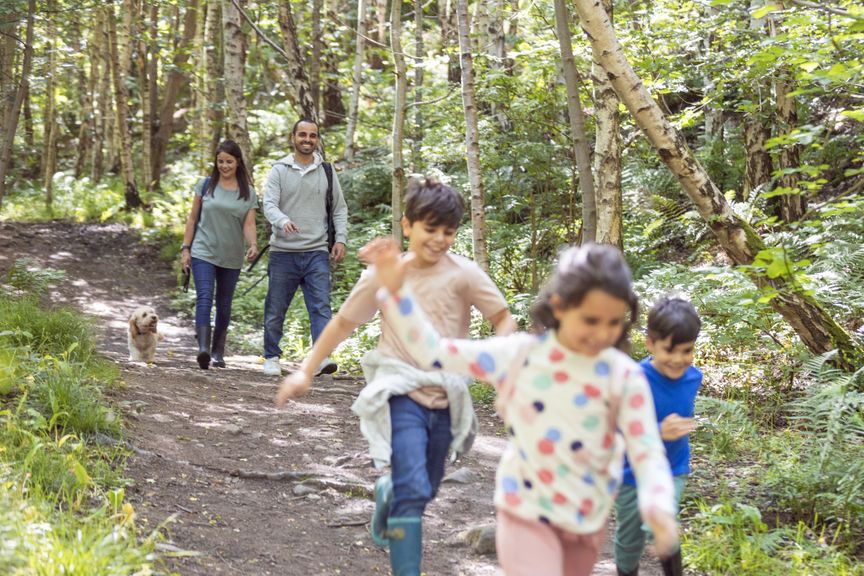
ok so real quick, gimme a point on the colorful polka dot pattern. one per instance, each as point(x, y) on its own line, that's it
point(562, 466)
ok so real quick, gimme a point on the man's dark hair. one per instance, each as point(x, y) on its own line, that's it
point(430, 201)
point(674, 317)
point(301, 120)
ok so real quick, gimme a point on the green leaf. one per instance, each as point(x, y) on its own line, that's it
point(764, 11)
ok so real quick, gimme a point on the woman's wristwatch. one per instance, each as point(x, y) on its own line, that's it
point(186, 247)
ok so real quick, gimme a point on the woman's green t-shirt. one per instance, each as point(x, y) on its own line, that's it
point(219, 237)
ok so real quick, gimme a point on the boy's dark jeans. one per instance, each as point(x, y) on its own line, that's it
point(420, 439)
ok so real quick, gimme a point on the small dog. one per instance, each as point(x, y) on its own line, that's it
point(143, 336)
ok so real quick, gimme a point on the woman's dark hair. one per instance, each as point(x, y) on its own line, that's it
point(430, 201)
point(579, 271)
point(243, 178)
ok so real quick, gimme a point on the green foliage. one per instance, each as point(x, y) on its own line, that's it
point(724, 428)
point(732, 538)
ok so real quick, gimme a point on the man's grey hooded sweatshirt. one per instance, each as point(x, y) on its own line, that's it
point(297, 193)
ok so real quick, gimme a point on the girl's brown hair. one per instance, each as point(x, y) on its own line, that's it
point(580, 270)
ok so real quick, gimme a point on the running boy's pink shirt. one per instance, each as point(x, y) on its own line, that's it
point(563, 463)
point(447, 291)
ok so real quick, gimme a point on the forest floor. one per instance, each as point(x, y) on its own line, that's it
point(238, 486)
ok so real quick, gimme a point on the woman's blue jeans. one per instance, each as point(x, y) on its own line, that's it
point(209, 280)
point(420, 438)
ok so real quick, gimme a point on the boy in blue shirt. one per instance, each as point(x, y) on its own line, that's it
point(673, 326)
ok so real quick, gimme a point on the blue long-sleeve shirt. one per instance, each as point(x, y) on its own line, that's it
point(671, 397)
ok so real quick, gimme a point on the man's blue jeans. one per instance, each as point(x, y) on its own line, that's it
point(210, 278)
point(420, 439)
point(310, 271)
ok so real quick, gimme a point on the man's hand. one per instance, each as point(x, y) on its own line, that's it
point(294, 385)
point(674, 427)
point(338, 252)
point(290, 227)
point(385, 255)
point(665, 531)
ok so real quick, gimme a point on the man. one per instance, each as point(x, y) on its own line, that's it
point(294, 203)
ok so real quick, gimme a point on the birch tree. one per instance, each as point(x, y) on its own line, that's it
point(234, 41)
point(472, 139)
point(417, 141)
point(49, 149)
point(578, 137)
point(816, 328)
point(607, 155)
point(401, 73)
point(357, 79)
point(299, 81)
point(214, 93)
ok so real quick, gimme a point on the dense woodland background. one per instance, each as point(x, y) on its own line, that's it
point(718, 142)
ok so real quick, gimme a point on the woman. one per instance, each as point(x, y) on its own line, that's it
point(222, 217)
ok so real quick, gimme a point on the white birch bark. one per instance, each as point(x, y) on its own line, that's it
point(472, 139)
point(234, 42)
point(401, 72)
point(357, 80)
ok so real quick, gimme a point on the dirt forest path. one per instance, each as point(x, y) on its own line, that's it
point(241, 487)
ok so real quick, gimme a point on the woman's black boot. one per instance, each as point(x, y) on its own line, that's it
point(634, 572)
point(672, 566)
point(202, 334)
point(217, 351)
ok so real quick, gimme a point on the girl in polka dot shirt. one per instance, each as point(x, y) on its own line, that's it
point(572, 401)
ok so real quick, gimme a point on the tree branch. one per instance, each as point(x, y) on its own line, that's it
point(831, 9)
point(261, 32)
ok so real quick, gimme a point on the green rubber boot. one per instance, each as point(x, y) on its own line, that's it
point(383, 500)
point(406, 545)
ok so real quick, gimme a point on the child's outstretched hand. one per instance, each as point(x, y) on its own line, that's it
point(294, 385)
point(665, 530)
point(674, 427)
point(385, 255)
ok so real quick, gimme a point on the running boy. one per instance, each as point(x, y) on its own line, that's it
point(412, 418)
point(673, 326)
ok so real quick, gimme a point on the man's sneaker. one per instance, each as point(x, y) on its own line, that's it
point(271, 367)
point(326, 367)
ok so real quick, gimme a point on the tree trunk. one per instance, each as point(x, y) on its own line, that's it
point(375, 61)
point(235, 59)
point(101, 54)
point(144, 44)
point(607, 156)
point(758, 168)
point(354, 106)
point(215, 80)
point(86, 88)
point(315, 64)
point(401, 72)
point(819, 332)
point(296, 73)
point(121, 105)
point(202, 121)
point(14, 96)
point(334, 111)
point(49, 142)
point(472, 143)
point(176, 81)
point(573, 81)
point(792, 205)
point(449, 39)
point(417, 142)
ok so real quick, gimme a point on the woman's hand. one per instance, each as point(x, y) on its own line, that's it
point(251, 252)
point(185, 259)
point(385, 255)
point(293, 386)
